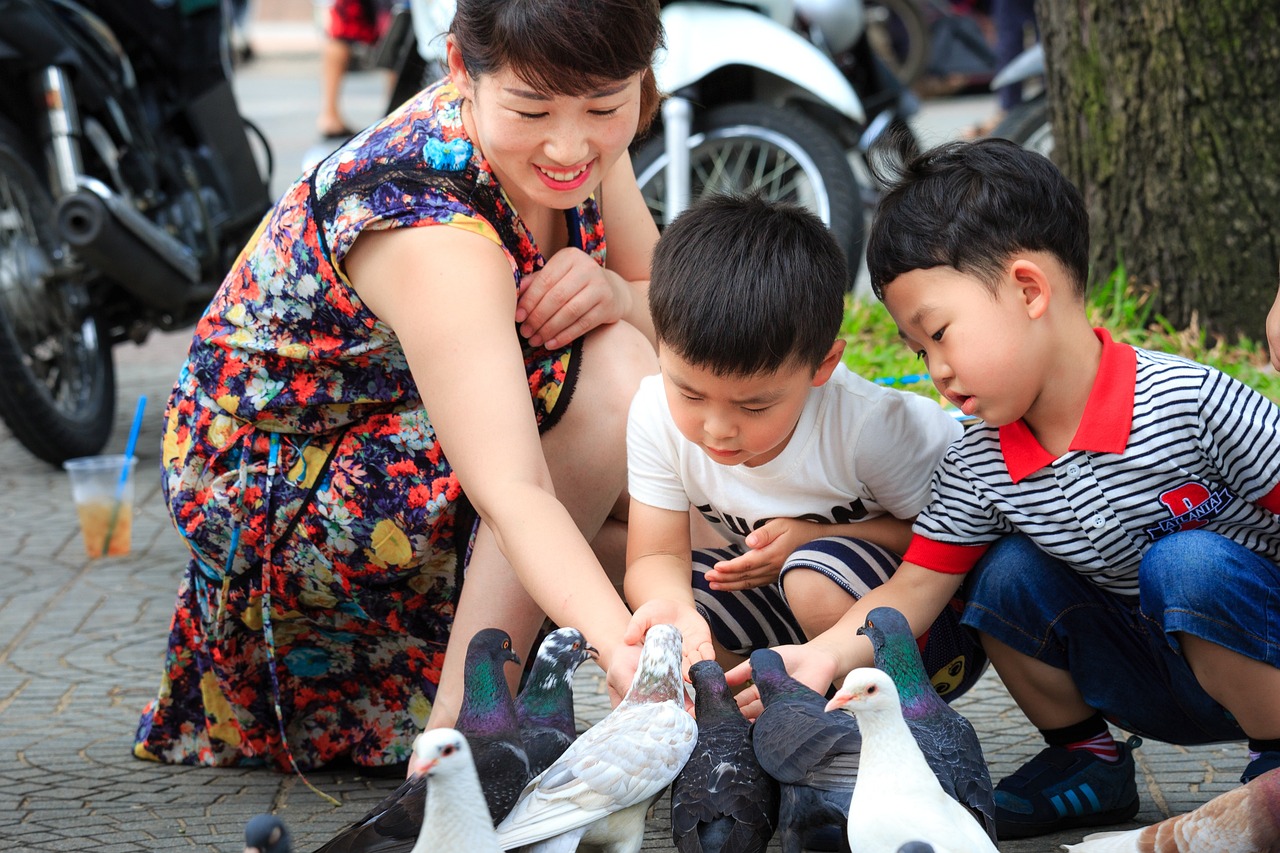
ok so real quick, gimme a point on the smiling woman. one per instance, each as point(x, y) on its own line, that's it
point(418, 370)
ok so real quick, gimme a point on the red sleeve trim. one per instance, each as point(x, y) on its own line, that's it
point(943, 557)
point(1271, 500)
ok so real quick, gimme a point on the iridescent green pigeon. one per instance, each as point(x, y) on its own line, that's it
point(544, 705)
point(947, 739)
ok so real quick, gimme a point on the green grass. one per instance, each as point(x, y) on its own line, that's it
point(875, 351)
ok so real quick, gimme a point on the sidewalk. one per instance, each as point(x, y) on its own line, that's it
point(82, 641)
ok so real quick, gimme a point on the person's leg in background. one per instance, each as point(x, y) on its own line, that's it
point(349, 21)
point(1010, 19)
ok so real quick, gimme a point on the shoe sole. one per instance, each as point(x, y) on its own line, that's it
point(1009, 831)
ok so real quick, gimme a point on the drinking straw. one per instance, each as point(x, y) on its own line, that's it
point(129, 448)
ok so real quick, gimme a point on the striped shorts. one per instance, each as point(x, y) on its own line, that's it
point(744, 620)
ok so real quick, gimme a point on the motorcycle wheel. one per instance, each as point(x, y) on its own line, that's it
point(58, 392)
point(899, 34)
point(780, 153)
point(1028, 125)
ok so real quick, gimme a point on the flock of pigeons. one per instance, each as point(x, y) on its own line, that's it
point(899, 772)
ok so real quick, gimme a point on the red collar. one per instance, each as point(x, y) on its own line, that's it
point(1108, 415)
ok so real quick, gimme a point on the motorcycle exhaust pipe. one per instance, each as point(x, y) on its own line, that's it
point(110, 235)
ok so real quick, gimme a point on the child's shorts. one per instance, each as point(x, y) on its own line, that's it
point(355, 21)
point(1123, 651)
point(744, 620)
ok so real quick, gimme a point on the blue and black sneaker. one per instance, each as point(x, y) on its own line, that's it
point(1265, 762)
point(1065, 789)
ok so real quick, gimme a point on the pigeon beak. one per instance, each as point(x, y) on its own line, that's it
point(838, 701)
point(419, 768)
point(862, 630)
point(592, 651)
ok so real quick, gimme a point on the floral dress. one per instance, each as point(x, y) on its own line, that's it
point(328, 532)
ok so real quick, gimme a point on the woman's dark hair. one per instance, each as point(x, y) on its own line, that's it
point(740, 285)
point(569, 47)
point(971, 206)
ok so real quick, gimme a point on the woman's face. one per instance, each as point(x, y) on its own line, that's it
point(547, 150)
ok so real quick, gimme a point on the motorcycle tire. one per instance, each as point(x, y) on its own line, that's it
point(1028, 125)
point(781, 153)
point(57, 395)
point(900, 35)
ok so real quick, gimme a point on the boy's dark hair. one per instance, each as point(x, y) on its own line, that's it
point(971, 206)
point(568, 47)
point(741, 285)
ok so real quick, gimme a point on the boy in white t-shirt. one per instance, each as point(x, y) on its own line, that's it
point(811, 474)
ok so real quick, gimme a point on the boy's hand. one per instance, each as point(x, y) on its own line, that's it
point(771, 544)
point(694, 630)
point(810, 664)
point(1273, 332)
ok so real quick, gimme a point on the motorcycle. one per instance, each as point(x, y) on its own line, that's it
point(779, 102)
point(128, 184)
point(1028, 123)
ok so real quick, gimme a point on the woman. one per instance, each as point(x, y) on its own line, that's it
point(371, 409)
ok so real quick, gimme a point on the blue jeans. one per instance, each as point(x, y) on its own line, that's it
point(1122, 651)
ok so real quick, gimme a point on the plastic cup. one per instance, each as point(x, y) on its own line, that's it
point(105, 508)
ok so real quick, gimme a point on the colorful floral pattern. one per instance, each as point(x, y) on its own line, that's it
point(333, 634)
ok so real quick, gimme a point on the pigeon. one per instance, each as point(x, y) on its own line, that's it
point(455, 816)
point(545, 705)
point(1243, 819)
point(917, 847)
point(813, 754)
point(897, 798)
point(599, 791)
point(266, 833)
point(488, 719)
point(946, 738)
point(722, 801)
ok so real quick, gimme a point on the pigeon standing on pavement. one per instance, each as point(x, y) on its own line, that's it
point(1243, 819)
point(722, 801)
point(545, 705)
point(946, 738)
point(813, 754)
point(455, 816)
point(266, 833)
point(599, 791)
point(897, 798)
point(488, 719)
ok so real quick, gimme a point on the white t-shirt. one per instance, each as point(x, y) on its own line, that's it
point(859, 451)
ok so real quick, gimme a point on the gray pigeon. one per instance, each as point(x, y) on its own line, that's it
point(266, 833)
point(813, 754)
point(897, 798)
point(722, 801)
point(545, 704)
point(488, 719)
point(599, 791)
point(946, 738)
point(455, 817)
point(916, 847)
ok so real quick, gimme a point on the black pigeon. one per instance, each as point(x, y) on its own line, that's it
point(488, 719)
point(722, 801)
point(947, 739)
point(812, 754)
point(545, 704)
point(266, 833)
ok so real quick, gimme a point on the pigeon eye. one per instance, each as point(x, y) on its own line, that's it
point(577, 646)
point(448, 749)
point(871, 689)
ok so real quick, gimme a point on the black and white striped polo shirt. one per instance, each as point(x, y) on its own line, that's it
point(1165, 444)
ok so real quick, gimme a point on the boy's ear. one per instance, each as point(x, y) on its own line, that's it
point(1032, 286)
point(829, 362)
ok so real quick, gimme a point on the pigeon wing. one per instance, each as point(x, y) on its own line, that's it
point(951, 748)
point(800, 745)
point(723, 778)
point(626, 758)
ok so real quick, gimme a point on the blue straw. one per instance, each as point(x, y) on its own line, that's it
point(129, 448)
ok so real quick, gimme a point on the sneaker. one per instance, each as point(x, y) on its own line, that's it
point(1065, 789)
point(1263, 763)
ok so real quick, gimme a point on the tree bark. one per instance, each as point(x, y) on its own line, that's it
point(1166, 115)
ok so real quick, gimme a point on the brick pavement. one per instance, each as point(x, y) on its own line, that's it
point(81, 644)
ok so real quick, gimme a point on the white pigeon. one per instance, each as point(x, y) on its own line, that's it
point(600, 790)
point(897, 798)
point(455, 817)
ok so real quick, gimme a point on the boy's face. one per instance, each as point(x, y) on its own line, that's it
point(980, 349)
point(739, 420)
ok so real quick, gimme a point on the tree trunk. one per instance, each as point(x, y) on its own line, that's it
point(1165, 114)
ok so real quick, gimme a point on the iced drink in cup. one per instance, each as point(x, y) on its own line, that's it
point(104, 501)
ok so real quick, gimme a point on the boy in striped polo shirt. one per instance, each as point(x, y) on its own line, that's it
point(1114, 519)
